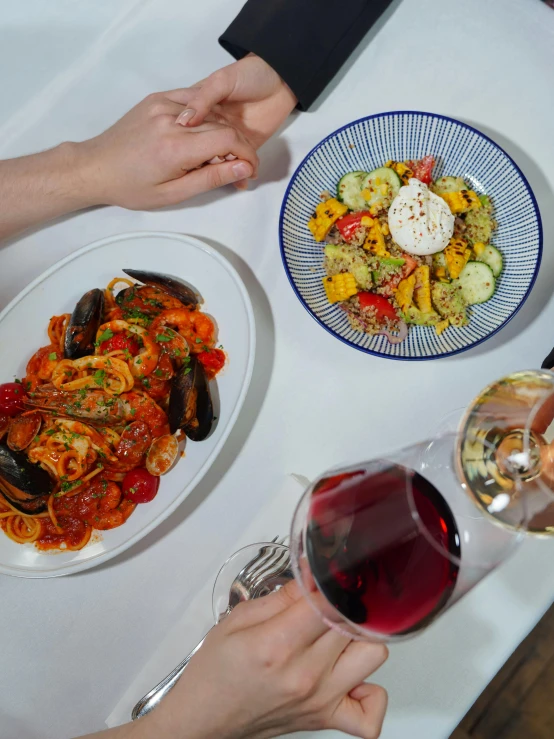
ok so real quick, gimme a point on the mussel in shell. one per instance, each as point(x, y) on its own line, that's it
point(171, 285)
point(83, 325)
point(190, 402)
point(23, 484)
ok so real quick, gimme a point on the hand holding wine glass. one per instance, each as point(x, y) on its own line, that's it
point(273, 667)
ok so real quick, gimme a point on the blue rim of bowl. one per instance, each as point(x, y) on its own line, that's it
point(371, 351)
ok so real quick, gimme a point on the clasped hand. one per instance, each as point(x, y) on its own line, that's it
point(157, 153)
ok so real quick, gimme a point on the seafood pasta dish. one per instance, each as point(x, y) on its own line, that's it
point(102, 409)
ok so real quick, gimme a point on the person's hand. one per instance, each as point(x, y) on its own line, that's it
point(247, 95)
point(270, 668)
point(146, 160)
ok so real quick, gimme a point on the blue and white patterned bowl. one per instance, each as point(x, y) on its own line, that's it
point(460, 151)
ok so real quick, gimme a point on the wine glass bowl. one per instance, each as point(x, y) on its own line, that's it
point(505, 453)
point(382, 548)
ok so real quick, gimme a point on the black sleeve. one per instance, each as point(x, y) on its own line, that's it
point(305, 41)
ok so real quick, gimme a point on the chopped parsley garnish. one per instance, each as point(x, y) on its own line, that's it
point(99, 376)
point(198, 340)
point(163, 337)
point(158, 373)
point(105, 336)
point(66, 486)
point(52, 356)
point(188, 369)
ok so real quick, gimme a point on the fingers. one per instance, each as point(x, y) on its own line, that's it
point(328, 648)
point(362, 712)
point(205, 179)
point(213, 90)
point(204, 142)
point(260, 610)
point(160, 104)
point(357, 662)
point(298, 626)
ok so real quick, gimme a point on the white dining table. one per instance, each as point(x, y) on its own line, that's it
point(70, 647)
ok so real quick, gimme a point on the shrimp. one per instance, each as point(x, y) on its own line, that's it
point(43, 362)
point(197, 328)
point(141, 407)
point(147, 357)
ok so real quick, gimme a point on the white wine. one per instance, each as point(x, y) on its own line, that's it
point(505, 454)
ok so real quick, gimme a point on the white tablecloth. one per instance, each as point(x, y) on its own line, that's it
point(70, 647)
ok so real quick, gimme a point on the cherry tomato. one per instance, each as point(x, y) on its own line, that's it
point(12, 396)
point(213, 360)
point(139, 486)
point(423, 169)
point(119, 342)
point(383, 309)
point(348, 225)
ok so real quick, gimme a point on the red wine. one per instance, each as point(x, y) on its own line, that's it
point(371, 559)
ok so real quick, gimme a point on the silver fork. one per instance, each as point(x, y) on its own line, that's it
point(244, 587)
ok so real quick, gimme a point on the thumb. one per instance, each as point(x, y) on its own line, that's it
point(362, 712)
point(208, 94)
point(204, 179)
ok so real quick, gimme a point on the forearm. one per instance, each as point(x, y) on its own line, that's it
point(39, 187)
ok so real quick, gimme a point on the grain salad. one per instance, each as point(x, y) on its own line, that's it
point(402, 248)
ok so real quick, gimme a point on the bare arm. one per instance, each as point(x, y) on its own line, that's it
point(42, 186)
point(143, 161)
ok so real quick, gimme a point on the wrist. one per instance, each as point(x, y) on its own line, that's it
point(77, 164)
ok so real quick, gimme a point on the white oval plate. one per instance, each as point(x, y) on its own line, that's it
point(23, 326)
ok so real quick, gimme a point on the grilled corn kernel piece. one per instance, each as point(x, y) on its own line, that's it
point(375, 241)
point(325, 216)
point(384, 189)
point(457, 255)
point(441, 326)
point(405, 292)
point(462, 201)
point(401, 170)
point(366, 221)
point(422, 292)
point(440, 273)
point(385, 230)
point(479, 248)
point(340, 287)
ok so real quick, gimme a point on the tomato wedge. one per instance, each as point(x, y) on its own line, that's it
point(409, 265)
point(349, 225)
point(212, 361)
point(384, 310)
point(423, 169)
point(119, 342)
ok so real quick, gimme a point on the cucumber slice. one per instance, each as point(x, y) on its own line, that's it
point(381, 186)
point(448, 184)
point(491, 256)
point(478, 283)
point(348, 190)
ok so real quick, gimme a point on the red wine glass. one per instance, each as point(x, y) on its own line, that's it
point(382, 548)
